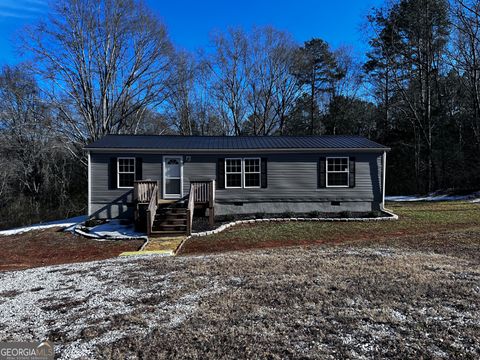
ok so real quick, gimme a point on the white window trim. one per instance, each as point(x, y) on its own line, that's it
point(129, 172)
point(172, 196)
point(241, 174)
point(259, 172)
point(337, 172)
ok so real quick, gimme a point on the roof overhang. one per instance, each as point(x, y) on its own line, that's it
point(235, 151)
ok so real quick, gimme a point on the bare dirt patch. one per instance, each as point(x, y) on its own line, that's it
point(52, 246)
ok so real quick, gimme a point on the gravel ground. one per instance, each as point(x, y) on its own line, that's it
point(322, 302)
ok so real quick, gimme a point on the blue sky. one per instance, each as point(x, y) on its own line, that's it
point(190, 23)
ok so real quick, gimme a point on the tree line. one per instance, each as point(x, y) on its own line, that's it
point(97, 67)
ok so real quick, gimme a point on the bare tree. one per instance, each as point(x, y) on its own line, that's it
point(25, 124)
point(287, 85)
point(271, 86)
point(345, 91)
point(37, 175)
point(102, 62)
point(228, 66)
point(466, 56)
point(181, 89)
point(413, 35)
point(251, 79)
point(350, 83)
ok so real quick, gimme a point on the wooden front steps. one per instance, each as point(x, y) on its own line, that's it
point(170, 219)
point(161, 217)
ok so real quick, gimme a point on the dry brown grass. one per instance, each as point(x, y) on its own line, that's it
point(415, 218)
point(413, 296)
point(342, 302)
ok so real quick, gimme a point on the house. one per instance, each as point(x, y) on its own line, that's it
point(162, 179)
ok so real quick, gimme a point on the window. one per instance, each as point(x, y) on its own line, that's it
point(233, 173)
point(172, 179)
point(251, 174)
point(242, 173)
point(337, 172)
point(126, 172)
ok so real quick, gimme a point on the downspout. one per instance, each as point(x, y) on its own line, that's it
point(384, 173)
point(89, 185)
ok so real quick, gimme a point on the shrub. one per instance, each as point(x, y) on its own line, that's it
point(260, 215)
point(288, 214)
point(315, 214)
point(345, 214)
point(374, 214)
point(229, 218)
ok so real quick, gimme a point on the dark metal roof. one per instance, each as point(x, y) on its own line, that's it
point(177, 142)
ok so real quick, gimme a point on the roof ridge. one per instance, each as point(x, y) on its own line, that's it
point(245, 136)
point(212, 143)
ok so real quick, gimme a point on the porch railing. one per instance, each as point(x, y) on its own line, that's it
point(147, 192)
point(143, 190)
point(152, 209)
point(190, 209)
point(202, 193)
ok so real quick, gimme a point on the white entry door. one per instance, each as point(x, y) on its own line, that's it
point(172, 177)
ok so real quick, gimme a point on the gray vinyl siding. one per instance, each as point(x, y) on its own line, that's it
point(111, 203)
point(291, 178)
point(198, 167)
point(294, 178)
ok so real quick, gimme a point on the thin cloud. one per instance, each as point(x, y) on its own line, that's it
point(21, 9)
point(13, 14)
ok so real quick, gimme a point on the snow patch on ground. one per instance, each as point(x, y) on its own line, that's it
point(475, 197)
point(113, 229)
point(65, 223)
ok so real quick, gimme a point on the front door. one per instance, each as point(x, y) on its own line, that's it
point(172, 177)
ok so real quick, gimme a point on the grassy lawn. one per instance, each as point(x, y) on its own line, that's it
point(415, 218)
point(53, 246)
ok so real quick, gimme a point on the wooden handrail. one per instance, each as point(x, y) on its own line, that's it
point(204, 191)
point(143, 190)
point(190, 209)
point(152, 208)
point(201, 192)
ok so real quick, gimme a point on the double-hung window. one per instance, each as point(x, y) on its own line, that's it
point(126, 172)
point(233, 173)
point(242, 173)
point(337, 172)
point(251, 173)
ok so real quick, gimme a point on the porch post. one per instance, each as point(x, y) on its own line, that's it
point(211, 203)
point(89, 205)
point(384, 173)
